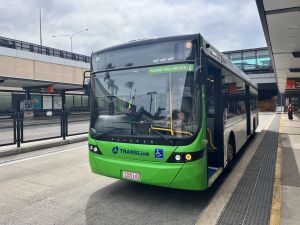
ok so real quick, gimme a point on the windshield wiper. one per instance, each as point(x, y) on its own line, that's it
point(128, 64)
point(99, 135)
point(171, 142)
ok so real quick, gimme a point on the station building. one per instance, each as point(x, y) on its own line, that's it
point(49, 79)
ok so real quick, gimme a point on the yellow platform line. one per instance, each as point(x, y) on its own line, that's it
point(276, 200)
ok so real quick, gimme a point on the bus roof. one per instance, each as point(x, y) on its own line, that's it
point(149, 41)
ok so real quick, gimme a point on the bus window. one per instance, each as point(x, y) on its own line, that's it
point(234, 95)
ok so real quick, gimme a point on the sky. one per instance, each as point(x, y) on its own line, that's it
point(226, 24)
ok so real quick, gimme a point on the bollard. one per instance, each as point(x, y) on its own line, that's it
point(18, 129)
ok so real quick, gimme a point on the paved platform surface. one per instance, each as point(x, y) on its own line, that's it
point(290, 173)
point(251, 201)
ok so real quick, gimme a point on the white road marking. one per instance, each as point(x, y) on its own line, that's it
point(39, 156)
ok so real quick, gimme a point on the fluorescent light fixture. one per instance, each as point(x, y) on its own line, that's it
point(293, 27)
point(296, 54)
point(294, 70)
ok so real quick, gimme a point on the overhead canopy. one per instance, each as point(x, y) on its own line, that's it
point(35, 84)
point(281, 25)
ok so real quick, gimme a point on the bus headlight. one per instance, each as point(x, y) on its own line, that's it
point(182, 157)
point(177, 157)
point(95, 149)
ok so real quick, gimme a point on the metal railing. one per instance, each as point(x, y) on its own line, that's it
point(23, 127)
point(30, 47)
point(8, 128)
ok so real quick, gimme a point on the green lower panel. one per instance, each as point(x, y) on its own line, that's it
point(192, 176)
point(174, 175)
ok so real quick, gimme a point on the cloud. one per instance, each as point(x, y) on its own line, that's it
point(228, 25)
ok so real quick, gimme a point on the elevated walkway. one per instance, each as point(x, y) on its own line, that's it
point(27, 65)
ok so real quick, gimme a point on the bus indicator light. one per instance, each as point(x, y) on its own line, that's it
point(188, 157)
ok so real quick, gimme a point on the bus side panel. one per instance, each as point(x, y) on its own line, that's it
point(237, 126)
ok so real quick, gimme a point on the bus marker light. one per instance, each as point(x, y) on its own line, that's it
point(91, 147)
point(188, 44)
point(188, 157)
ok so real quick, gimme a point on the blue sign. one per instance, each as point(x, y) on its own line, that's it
point(159, 153)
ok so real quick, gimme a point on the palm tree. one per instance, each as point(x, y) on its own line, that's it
point(107, 76)
point(112, 86)
point(129, 84)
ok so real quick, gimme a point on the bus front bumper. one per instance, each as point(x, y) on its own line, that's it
point(188, 176)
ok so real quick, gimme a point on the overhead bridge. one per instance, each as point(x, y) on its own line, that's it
point(27, 65)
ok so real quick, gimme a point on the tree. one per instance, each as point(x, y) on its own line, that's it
point(112, 86)
point(129, 84)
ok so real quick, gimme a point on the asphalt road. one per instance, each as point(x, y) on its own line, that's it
point(56, 186)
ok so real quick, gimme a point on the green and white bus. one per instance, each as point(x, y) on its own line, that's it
point(171, 112)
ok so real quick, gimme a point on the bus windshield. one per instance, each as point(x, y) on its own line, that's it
point(156, 102)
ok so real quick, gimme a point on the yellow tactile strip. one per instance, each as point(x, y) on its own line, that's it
point(276, 200)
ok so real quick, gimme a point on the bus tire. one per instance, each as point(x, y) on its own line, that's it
point(230, 153)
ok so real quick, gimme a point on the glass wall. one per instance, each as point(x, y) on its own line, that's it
point(42, 101)
point(77, 102)
point(5, 101)
point(256, 59)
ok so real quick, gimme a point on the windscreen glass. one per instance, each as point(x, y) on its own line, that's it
point(157, 101)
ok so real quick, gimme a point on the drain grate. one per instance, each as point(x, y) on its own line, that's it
point(251, 202)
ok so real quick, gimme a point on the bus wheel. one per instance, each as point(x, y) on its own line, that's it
point(230, 154)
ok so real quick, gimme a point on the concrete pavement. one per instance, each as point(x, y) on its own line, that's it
point(290, 170)
point(59, 188)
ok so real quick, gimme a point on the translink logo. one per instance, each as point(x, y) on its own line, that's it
point(115, 150)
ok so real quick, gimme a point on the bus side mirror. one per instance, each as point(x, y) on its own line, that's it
point(86, 85)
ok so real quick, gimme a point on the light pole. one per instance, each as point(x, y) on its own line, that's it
point(70, 36)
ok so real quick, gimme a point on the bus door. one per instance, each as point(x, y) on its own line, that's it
point(214, 117)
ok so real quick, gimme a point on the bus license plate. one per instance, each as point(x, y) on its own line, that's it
point(131, 175)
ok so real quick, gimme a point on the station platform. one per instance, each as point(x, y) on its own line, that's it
point(264, 185)
point(268, 191)
point(289, 145)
